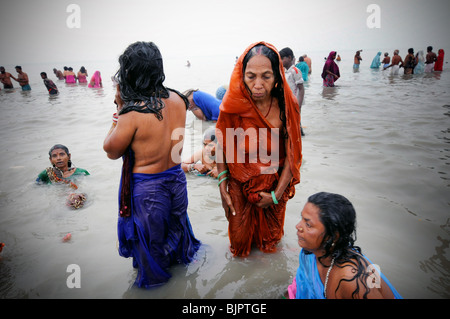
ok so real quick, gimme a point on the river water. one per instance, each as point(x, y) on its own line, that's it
point(381, 141)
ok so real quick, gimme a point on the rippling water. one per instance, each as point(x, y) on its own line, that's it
point(383, 142)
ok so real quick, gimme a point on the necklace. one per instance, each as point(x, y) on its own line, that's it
point(326, 279)
point(270, 107)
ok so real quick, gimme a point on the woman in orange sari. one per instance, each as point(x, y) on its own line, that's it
point(259, 115)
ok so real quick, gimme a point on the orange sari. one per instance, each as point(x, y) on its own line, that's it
point(251, 224)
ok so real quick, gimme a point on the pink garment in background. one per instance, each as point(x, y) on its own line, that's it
point(96, 80)
point(70, 78)
point(82, 78)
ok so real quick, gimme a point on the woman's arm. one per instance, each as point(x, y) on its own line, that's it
point(191, 163)
point(121, 132)
point(227, 203)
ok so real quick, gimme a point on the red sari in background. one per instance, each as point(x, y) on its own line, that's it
point(438, 65)
point(252, 224)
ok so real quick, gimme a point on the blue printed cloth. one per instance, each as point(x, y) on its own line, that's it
point(309, 284)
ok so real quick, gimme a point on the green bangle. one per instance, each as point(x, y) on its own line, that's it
point(226, 177)
point(274, 198)
point(224, 172)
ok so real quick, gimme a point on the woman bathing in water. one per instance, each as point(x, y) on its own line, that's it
point(62, 172)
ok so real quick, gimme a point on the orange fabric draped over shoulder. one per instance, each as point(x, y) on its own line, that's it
point(247, 139)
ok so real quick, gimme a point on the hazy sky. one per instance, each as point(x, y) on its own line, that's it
point(38, 31)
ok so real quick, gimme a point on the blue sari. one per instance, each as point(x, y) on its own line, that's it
point(309, 284)
point(158, 233)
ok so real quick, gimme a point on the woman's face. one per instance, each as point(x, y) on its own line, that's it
point(59, 158)
point(310, 230)
point(259, 77)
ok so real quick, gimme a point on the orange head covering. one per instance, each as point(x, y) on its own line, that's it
point(238, 107)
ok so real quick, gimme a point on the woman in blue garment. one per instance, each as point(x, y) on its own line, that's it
point(204, 106)
point(420, 66)
point(303, 67)
point(331, 266)
point(153, 224)
point(376, 61)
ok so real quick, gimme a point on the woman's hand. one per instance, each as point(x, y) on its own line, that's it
point(213, 173)
point(266, 200)
point(201, 168)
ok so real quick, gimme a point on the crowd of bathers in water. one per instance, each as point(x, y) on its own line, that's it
point(156, 231)
point(68, 76)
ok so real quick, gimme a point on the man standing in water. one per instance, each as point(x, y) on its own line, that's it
point(22, 78)
point(49, 84)
point(5, 78)
point(410, 62)
point(396, 64)
point(293, 76)
point(357, 60)
point(153, 225)
point(430, 59)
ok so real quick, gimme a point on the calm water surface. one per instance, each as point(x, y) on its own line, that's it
point(383, 142)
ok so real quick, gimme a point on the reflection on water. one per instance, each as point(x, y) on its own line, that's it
point(380, 140)
point(329, 93)
point(438, 266)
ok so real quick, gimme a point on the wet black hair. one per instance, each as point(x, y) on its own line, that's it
point(140, 79)
point(338, 216)
point(278, 89)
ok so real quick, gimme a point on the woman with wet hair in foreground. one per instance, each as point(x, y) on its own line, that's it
point(330, 265)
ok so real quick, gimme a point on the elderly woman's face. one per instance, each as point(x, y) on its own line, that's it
point(259, 77)
point(59, 158)
point(310, 230)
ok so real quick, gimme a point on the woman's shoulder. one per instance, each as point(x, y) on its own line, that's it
point(357, 277)
point(43, 177)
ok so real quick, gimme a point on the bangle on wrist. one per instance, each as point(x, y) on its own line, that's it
point(224, 172)
point(226, 177)
point(274, 198)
